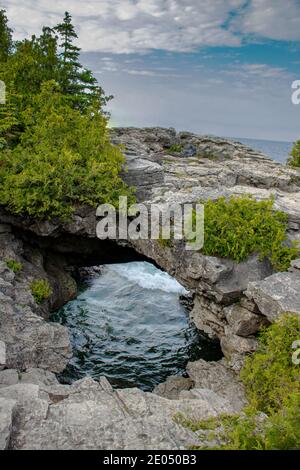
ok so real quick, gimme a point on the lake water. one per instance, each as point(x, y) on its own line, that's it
point(278, 151)
point(128, 325)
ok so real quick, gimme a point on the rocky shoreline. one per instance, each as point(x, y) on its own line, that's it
point(230, 302)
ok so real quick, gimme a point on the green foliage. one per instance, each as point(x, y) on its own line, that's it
point(64, 159)
point(41, 290)
point(29, 63)
point(294, 160)
point(272, 381)
point(8, 122)
point(14, 265)
point(55, 153)
point(175, 148)
point(241, 226)
point(253, 431)
point(75, 81)
point(5, 37)
point(269, 375)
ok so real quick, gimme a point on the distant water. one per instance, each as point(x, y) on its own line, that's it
point(128, 325)
point(278, 151)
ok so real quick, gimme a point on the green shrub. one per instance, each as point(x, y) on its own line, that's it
point(14, 265)
point(241, 226)
point(270, 375)
point(175, 148)
point(64, 160)
point(272, 382)
point(294, 159)
point(253, 431)
point(41, 290)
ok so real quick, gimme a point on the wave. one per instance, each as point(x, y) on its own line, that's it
point(148, 276)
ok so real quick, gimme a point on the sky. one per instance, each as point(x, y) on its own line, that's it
point(222, 67)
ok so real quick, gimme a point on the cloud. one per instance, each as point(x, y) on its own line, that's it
point(129, 26)
point(272, 19)
point(253, 71)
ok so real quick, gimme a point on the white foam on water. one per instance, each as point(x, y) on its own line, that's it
point(148, 276)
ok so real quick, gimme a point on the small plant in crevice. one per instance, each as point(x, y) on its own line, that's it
point(14, 265)
point(41, 290)
point(175, 148)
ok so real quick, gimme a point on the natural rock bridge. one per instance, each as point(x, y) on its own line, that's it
point(231, 301)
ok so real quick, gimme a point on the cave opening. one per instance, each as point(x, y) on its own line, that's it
point(128, 324)
point(129, 319)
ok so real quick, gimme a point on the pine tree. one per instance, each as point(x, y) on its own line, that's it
point(75, 80)
point(5, 37)
point(69, 56)
point(46, 46)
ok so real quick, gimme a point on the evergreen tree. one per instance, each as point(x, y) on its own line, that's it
point(75, 80)
point(47, 50)
point(5, 37)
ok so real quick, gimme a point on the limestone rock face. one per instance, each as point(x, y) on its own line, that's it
point(277, 294)
point(2, 355)
point(7, 408)
point(26, 339)
point(91, 415)
point(173, 386)
point(233, 344)
point(218, 377)
point(8, 377)
point(143, 175)
point(242, 321)
point(31, 341)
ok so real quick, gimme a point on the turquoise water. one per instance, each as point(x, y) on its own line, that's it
point(128, 325)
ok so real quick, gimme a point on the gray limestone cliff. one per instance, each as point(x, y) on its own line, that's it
point(231, 301)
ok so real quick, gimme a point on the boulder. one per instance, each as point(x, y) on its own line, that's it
point(234, 344)
point(217, 376)
point(276, 294)
point(242, 321)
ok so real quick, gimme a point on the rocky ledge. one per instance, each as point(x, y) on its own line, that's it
point(230, 301)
